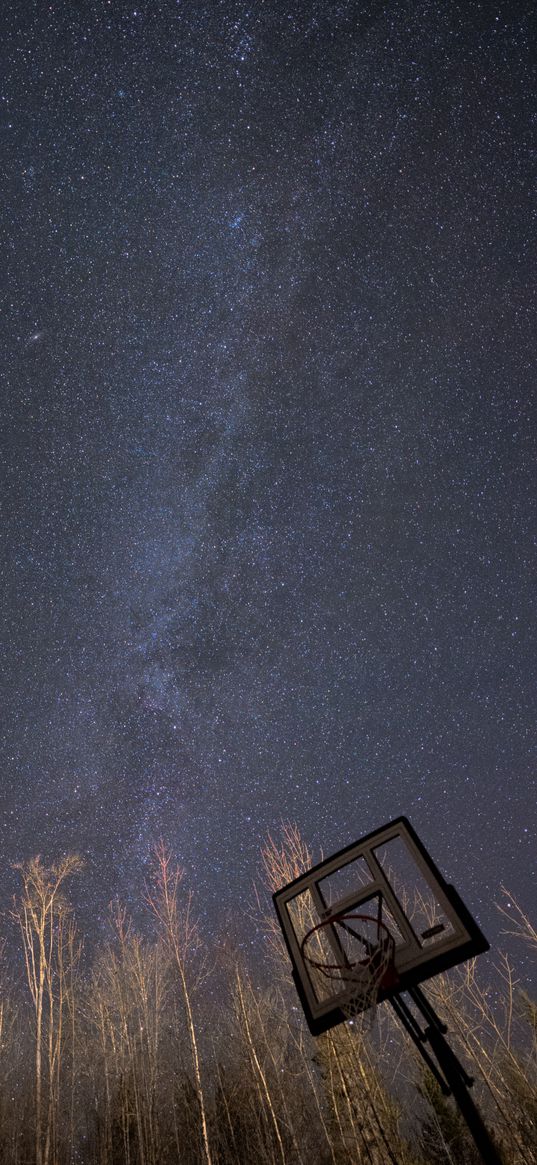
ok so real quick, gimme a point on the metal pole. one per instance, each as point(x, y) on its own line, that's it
point(450, 1073)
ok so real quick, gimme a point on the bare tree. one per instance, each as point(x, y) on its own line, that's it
point(165, 1065)
point(124, 1012)
point(50, 952)
point(178, 929)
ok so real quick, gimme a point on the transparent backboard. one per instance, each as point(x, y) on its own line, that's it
point(392, 888)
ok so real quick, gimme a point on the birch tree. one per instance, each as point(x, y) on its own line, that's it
point(173, 910)
point(50, 953)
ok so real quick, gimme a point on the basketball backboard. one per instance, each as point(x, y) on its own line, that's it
point(381, 898)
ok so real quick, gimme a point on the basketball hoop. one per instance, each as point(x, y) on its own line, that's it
point(367, 977)
point(386, 921)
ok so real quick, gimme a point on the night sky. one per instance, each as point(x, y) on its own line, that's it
point(270, 461)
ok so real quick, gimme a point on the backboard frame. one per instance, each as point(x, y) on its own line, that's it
point(415, 962)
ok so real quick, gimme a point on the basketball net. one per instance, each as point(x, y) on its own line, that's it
point(366, 977)
point(375, 973)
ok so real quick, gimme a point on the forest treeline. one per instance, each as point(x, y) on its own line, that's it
point(168, 1052)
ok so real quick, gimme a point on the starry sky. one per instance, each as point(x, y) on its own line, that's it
point(269, 435)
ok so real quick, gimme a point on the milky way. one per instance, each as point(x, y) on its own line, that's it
point(271, 441)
